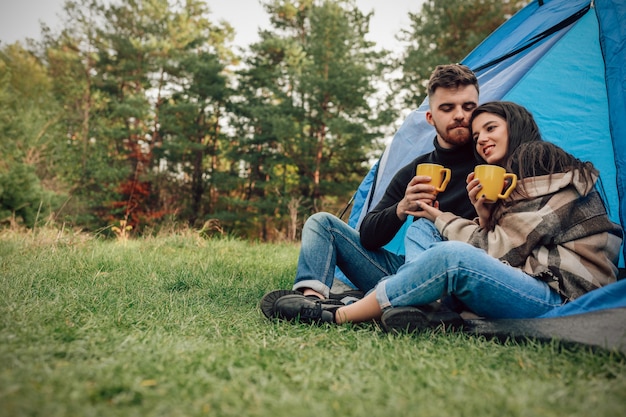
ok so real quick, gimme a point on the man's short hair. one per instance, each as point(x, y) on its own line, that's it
point(451, 76)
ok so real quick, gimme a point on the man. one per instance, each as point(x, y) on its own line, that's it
point(327, 241)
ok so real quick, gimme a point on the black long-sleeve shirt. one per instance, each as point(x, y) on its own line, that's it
point(381, 224)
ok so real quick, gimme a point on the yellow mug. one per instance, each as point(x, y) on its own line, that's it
point(493, 180)
point(440, 176)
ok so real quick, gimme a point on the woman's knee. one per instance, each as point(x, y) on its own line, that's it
point(454, 253)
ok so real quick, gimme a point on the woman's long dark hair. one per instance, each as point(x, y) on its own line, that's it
point(528, 155)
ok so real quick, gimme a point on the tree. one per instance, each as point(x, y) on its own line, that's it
point(154, 56)
point(28, 132)
point(83, 156)
point(308, 121)
point(134, 106)
point(116, 67)
point(190, 124)
point(445, 32)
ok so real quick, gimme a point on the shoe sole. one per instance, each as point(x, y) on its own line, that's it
point(267, 302)
point(404, 320)
point(350, 293)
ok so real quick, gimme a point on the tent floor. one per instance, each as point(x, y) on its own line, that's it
point(604, 329)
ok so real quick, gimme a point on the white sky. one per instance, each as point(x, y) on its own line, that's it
point(20, 19)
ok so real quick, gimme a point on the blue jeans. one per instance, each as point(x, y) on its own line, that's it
point(486, 286)
point(328, 241)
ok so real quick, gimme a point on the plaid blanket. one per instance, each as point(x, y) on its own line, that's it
point(556, 230)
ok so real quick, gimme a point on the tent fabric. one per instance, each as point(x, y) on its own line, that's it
point(612, 21)
point(565, 60)
point(610, 296)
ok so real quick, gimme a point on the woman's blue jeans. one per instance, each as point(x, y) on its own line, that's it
point(487, 286)
point(328, 241)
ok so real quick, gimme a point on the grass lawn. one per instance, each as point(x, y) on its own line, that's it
point(169, 326)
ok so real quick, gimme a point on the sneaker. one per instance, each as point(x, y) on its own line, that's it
point(414, 319)
point(291, 307)
point(269, 300)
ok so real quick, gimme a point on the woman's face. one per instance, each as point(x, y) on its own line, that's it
point(491, 136)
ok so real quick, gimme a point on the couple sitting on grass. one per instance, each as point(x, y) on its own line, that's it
point(549, 242)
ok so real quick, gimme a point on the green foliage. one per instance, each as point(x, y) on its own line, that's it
point(22, 197)
point(27, 108)
point(130, 60)
point(191, 131)
point(306, 124)
point(28, 138)
point(138, 110)
point(169, 325)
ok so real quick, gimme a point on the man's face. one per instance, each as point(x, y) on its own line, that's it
point(450, 111)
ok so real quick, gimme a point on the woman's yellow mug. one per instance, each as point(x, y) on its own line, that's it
point(495, 181)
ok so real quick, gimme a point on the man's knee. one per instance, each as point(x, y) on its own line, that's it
point(422, 226)
point(423, 233)
point(320, 223)
point(324, 219)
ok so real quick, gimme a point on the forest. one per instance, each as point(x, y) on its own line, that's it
point(142, 114)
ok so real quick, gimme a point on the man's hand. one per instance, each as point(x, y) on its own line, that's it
point(417, 191)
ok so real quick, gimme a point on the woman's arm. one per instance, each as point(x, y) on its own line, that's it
point(525, 226)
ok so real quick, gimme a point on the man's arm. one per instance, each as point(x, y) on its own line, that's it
point(401, 198)
point(382, 223)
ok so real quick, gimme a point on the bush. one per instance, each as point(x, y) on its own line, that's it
point(22, 196)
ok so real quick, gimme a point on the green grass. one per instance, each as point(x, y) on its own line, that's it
point(169, 326)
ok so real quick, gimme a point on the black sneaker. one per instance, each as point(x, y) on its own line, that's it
point(414, 319)
point(267, 302)
point(292, 307)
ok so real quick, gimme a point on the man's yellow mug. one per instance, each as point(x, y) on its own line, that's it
point(440, 176)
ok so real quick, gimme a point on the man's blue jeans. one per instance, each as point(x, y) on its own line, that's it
point(328, 241)
point(487, 286)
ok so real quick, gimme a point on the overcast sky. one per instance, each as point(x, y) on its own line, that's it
point(20, 19)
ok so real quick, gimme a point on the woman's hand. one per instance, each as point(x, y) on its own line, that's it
point(417, 191)
point(426, 211)
point(483, 209)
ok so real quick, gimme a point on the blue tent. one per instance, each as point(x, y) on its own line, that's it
point(564, 60)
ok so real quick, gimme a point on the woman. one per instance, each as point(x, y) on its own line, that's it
point(549, 242)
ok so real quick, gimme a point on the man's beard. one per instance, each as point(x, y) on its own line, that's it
point(454, 136)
